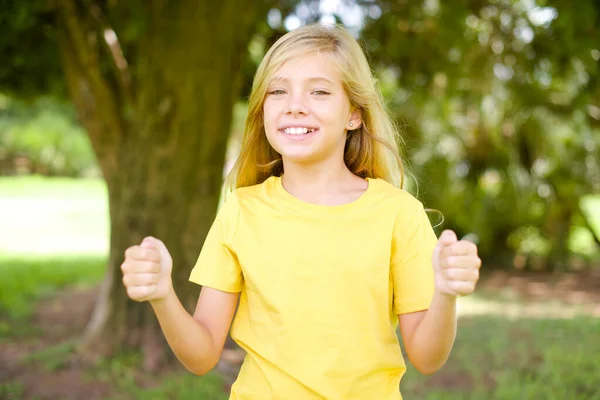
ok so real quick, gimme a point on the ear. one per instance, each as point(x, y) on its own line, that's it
point(355, 120)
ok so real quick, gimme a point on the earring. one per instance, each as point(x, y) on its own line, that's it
point(351, 124)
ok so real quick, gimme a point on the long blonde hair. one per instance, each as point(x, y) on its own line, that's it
point(370, 151)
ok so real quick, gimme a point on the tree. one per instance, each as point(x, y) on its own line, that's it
point(154, 85)
point(500, 100)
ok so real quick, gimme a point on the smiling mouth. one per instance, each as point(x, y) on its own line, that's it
point(298, 131)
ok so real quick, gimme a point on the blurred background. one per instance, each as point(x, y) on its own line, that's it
point(119, 120)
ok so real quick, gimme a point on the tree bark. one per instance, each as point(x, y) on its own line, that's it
point(160, 144)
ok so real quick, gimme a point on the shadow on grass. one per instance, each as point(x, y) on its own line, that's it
point(24, 280)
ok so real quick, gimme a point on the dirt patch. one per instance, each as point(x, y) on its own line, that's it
point(39, 364)
point(569, 287)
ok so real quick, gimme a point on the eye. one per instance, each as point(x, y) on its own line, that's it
point(320, 92)
point(277, 92)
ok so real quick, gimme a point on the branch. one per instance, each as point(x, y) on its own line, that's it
point(111, 44)
point(80, 39)
point(92, 93)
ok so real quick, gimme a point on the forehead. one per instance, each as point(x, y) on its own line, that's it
point(308, 67)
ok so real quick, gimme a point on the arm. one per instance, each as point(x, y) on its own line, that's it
point(197, 340)
point(429, 335)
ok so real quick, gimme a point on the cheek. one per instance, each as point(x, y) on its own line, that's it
point(269, 117)
point(270, 126)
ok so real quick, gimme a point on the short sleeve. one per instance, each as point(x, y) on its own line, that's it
point(217, 265)
point(411, 269)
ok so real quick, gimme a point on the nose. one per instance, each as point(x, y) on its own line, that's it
point(296, 106)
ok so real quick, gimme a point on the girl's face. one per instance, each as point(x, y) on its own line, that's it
point(307, 111)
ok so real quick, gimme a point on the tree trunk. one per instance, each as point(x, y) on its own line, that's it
point(159, 126)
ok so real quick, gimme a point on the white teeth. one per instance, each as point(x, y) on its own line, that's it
point(297, 131)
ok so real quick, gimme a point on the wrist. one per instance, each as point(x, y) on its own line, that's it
point(163, 301)
point(445, 295)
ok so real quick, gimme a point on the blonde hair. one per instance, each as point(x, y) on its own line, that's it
point(371, 150)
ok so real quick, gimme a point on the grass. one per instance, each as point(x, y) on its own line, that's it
point(24, 280)
point(54, 233)
point(497, 358)
point(11, 390)
point(122, 373)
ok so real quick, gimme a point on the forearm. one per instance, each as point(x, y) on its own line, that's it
point(191, 341)
point(433, 338)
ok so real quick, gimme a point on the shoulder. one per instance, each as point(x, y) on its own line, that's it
point(406, 210)
point(395, 197)
point(260, 190)
point(249, 196)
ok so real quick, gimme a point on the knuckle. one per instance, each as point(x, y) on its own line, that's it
point(148, 254)
point(130, 251)
point(451, 274)
point(156, 267)
point(151, 267)
point(125, 267)
point(148, 279)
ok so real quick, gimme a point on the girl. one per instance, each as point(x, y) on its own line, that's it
point(317, 246)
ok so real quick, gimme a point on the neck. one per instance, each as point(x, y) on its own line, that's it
point(318, 182)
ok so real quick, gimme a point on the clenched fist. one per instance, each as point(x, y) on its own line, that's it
point(147, 270)
point(456, 265)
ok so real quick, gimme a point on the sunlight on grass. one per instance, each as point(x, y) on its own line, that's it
point(590, 206)
point(514, 309)
point(50, 216)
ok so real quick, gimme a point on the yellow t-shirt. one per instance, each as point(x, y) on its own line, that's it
point(321, 287)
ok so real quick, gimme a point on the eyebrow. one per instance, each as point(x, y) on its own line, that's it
point(312, 79)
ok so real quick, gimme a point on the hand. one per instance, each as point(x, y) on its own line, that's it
point(456, 265)
point(147, 270)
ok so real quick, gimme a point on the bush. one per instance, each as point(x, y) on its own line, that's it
point(43, 137)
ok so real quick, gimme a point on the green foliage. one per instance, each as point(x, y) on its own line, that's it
point(43, 137)
point(28, 45)
point(498, 102)
point(590, 206)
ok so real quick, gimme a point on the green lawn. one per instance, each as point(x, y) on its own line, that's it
point(41, 216)
point(54, 232)
point(525, 359)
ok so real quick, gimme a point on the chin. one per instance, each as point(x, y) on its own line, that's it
point(298, 158)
